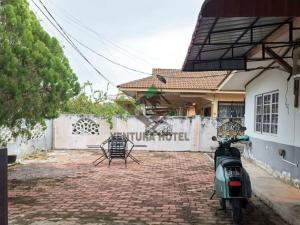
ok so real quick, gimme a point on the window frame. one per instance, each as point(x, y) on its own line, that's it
point(267, 112)
point(231, 103)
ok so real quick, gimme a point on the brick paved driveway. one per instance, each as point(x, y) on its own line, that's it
point(167, 188)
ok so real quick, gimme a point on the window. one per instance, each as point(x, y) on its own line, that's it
point(231, 110)
point(266, 114)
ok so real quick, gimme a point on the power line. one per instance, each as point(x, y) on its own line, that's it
point(58, 31)
point(104, 57)
point(90, 49)
point(135, 70)
point(76, 21)
point(67, 38)
point(64, 34)
point(67, 20)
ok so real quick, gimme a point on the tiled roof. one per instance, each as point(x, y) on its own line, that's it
point(176, 79)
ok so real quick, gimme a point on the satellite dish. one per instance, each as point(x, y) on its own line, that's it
point(161, 78)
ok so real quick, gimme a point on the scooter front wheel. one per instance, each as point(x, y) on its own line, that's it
point(237, 214)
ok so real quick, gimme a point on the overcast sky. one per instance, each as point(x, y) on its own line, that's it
point(141, 34)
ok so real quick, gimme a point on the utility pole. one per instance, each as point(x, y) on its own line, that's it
point(3, 187)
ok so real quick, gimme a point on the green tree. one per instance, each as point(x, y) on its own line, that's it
point(97, 103)
point(36, 80)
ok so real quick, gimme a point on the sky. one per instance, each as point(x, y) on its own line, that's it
point(140, 34)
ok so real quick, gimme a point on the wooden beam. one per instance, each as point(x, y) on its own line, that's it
point(279, 60)
point(261, 72)
point(165, 99)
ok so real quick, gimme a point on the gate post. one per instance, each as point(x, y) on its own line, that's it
point(195, 134)
point(3, 187)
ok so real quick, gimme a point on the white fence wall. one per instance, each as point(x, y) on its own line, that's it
point(65, 139)
point(207, 130)
point(181, 140)
point(188, 133)
point(78, 131)
point(42, 140)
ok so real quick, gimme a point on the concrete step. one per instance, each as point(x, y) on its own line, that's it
point(283, 198)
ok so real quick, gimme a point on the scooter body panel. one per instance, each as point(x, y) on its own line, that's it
point(226, 174)
point(220, 183)
point(232, 182)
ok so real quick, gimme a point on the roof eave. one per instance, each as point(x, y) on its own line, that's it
point(184, 90)
point(216, 9)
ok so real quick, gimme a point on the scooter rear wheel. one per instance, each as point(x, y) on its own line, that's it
point(237, 214)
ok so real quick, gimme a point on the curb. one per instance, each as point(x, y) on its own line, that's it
point(287, 218)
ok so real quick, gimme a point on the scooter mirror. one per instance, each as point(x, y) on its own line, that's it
point(214, 138)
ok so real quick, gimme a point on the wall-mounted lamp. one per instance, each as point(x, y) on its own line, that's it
point(282, 153)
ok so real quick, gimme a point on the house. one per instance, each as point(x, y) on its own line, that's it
point(259, 43)
point(186, 94)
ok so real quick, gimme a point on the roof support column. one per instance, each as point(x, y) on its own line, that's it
point(215, 108)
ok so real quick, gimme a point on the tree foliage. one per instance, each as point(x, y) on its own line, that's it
point(36, 80)
point(98, 104)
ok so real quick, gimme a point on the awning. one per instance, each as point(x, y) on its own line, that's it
point(250, 8)
point(226, 33)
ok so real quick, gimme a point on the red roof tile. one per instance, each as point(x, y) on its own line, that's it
point(176, 79)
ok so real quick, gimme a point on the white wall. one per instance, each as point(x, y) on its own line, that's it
point(64, 139)
point(207, 131)
point(195, 133)
point(21, 148)
point(183, 125)
point(289, 116)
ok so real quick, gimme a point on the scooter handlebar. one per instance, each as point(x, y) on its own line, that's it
point(233, 139)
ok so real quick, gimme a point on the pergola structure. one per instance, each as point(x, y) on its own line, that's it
point(183, 93)
point(229, 33)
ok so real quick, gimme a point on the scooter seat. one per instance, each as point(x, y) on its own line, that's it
point(231, 162)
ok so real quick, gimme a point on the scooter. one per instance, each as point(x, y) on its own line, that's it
point(232, 182)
